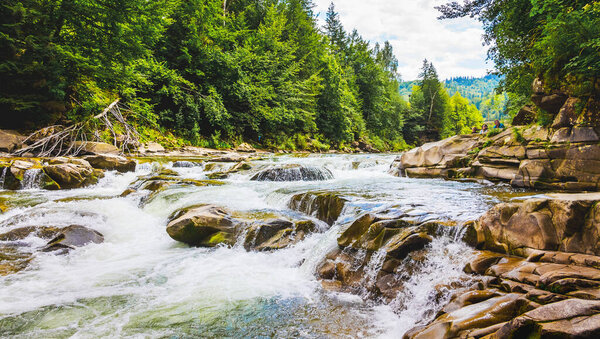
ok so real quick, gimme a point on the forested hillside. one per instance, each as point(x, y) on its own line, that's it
point(480, 91)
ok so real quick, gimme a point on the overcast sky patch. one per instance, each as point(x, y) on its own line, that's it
point(454, 46)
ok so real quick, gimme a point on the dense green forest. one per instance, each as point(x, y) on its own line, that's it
point(210, 72)
point(215, 73)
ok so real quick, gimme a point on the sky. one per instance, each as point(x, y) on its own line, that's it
point(454, 46)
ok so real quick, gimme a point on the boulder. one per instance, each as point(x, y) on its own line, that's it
point(440, 153)
point(276, 234)
point(567, 115)
point(71, 175)
point(111, 162)
point(552, 103)
point(293, 173)
point(92, 147)
point(10, 141)
point(526, 115)
point(326, 206)
point(44, 232)
point(186, 164)
point(151, 147)
point(245, 147)
point(73, 236)
point(203, 226)
point(481, 315)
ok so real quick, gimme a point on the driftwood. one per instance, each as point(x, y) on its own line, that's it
point(59, 140)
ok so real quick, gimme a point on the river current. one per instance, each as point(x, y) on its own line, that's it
point(141, 283)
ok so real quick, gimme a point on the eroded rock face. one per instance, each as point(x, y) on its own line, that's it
point(293, 173)
point(535, 157)
point(326, 206)
point(568, 224)
point(203, 226)
point(111, 162)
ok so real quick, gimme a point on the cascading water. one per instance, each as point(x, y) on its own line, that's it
point(140, 282)
point(3, 177)
point(32, 178)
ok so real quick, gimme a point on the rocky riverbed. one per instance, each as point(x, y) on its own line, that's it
point(211, 243)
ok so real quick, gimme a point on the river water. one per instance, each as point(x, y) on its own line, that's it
point(141, 283)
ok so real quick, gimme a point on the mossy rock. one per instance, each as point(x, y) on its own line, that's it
point(218, 175)
point(326, 206)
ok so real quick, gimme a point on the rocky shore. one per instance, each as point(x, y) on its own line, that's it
point(564, 155)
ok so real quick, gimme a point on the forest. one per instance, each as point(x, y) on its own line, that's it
point(216, 73)
point(212, 73)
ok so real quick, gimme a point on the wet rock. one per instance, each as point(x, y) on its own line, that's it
point(72, 175)
point(217, 175)
point(44, 232)
point(73, 236)
point(111, 162)
point(12, 260)
point(91, 147)
point(231, 157)
point(293, 173)
point(204, 226)
point(326, 206)
point(277, 233)
point(186, 164)
point(480, 315)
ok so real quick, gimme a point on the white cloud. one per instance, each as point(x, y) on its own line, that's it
point(411, 26)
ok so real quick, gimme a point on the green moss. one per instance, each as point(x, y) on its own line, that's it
point(219, 238)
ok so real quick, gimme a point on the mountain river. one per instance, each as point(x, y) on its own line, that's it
point(141, 283)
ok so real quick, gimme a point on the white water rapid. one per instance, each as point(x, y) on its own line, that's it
point(141, 283)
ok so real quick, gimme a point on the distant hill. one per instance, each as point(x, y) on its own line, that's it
point(480, 91)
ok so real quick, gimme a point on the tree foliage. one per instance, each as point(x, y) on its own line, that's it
point(558, 40)
point(253, 70)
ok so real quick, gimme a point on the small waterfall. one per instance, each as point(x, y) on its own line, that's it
point(186, 164)
point(372, 268)
point(3, 177)
point(430, 283)
point(293, 173)
point(32, 178)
